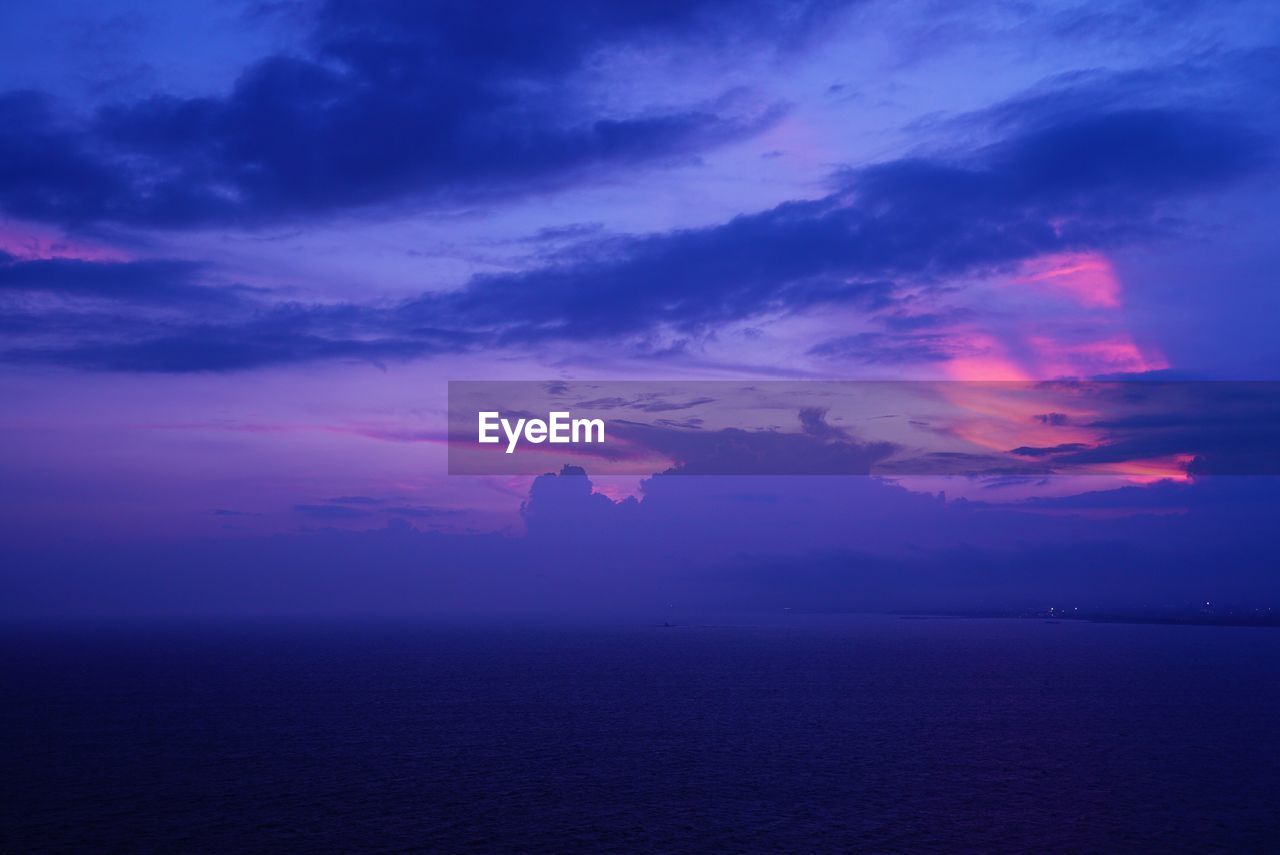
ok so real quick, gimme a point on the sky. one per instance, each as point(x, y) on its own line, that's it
point(244, 247)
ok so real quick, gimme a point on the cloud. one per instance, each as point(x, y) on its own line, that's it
point(1221, 428)
point(164, 282)
point(1082, 184)
point(651, 402)
point(888, 349)
point(353, 508)
point(253, 336)
point(694, 543)
point(818, 448)
point(564, 503)
point(332, 511)
point(1240, 82)
point(391, 102)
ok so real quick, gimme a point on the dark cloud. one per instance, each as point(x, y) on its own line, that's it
point(1086, 183)
point(565, 505)
point(883, 348)
point(966, 464)
point(417, 511)
point(163, 282)
point(1241, 82)
point(1064, 448)
point(332, 512)
point(909, 322)
point(253, 336)
point(353, 508)
point(1226, 428)
point(392, 101)
point(647, 403)
point(818, 448)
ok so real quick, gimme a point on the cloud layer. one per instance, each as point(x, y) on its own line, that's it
point(391, 102)
point(1080, 184)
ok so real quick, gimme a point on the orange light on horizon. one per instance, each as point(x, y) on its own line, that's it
point(1172, 467)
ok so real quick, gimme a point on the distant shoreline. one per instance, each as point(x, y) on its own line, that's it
point(1268, 620)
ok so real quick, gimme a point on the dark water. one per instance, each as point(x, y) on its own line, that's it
point(857, 733)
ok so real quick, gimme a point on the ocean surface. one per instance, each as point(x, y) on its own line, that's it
point(799, 734)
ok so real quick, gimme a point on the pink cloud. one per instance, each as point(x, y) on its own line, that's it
point(1088, 278)
point(1114, 353)
point(981, 357)
point(35, 243)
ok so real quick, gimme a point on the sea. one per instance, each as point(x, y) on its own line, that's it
point(799, 733)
